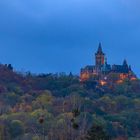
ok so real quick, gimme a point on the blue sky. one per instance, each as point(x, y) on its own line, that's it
point(63, 35)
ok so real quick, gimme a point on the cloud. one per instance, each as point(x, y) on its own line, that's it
point(44, 9)
point(58, 29)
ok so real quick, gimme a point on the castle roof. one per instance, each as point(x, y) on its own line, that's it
point(89, 67)
point(120, 69)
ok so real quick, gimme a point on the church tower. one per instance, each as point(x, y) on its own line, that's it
point(99, 57)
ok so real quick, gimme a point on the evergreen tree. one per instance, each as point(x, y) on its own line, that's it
point(10, 67)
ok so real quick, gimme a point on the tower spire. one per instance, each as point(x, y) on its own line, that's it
point(99, 51)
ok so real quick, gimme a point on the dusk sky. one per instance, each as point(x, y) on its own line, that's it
point(45, 36)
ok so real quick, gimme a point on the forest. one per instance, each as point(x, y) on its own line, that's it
point(60, 107)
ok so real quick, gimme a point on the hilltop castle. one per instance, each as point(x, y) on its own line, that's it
point(102, 70)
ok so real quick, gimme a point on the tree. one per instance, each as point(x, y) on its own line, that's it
point(43, 101)
point(97, 133)
point(10, 67)
point(16, 128)
point(1, 132)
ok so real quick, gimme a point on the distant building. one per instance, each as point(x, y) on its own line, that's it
point(102, 70)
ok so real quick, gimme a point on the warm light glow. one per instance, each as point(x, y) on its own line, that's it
point(133, 78)
point(84, 76)
point(120, 81)
point(103, 82)
point(123, 76)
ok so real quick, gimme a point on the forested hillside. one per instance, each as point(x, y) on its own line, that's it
point(59, 107)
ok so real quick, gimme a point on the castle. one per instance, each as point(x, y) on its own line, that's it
point(101, 71)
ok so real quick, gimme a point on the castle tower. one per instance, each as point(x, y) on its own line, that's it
point(99, 57)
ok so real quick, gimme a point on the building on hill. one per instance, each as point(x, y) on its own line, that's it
point(101, 71)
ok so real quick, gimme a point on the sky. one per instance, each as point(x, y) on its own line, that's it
point(44, 36)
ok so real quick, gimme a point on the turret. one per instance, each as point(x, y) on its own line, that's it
point(125, 63)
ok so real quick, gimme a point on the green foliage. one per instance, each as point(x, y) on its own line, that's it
point(68, 107)
point(12, 98)
point(16, 128)
point(97, 133)
point(2, 132)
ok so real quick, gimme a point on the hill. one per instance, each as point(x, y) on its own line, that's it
point(60, 107)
